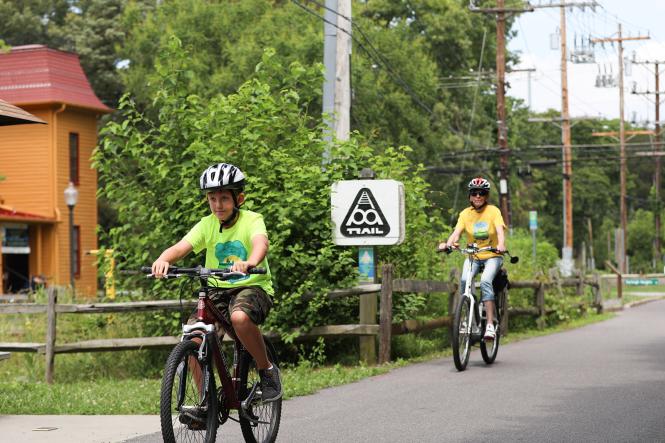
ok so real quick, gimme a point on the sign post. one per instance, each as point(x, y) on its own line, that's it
point(367, 213)
point(533, 226)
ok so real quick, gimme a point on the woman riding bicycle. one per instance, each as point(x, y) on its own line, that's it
point(483, 225)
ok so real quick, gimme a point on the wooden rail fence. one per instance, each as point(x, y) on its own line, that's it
point(384, 330)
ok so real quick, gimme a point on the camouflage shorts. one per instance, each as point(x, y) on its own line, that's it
point(252, 300)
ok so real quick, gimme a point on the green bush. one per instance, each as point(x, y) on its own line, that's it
point(150, 169)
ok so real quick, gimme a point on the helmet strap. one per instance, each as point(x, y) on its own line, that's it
point(234, 215)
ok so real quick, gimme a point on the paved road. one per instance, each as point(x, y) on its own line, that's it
point(601, 383)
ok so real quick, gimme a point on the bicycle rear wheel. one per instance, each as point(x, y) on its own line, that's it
point(267, 415)
point(461, 334)
point(186, 413)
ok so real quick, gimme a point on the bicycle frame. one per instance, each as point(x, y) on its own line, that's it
point(472, 257)
point(204, 329)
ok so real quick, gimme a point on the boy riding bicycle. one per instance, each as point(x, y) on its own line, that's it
point(237, 239)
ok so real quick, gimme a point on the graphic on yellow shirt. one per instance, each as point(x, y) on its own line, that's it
point(481, 230)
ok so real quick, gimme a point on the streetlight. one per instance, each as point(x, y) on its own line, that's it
point(71, 197)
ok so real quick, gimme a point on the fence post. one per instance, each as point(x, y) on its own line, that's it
point(580, 283)
point(367, 316)
point(50, 333)
point(386, 316)
point(540, 305)
point(597, 294)
point(619, 282)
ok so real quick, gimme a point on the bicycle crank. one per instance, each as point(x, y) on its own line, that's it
point(246, 406)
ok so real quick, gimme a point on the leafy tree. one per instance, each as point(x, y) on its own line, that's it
point(32, 21)
point(640, 241)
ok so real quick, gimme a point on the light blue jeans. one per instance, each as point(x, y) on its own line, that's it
point(492, 266)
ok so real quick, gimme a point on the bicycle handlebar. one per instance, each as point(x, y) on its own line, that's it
point(222, 274)
point(472, 250)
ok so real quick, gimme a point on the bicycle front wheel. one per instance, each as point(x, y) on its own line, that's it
point(490, 349)
point(188, 404)
point(265, 417)
point(461, 334)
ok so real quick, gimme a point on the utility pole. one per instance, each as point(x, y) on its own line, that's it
point(337, 62)
point(567, 263)
point(622, 140)
point(504, 194)
point(567, 250)
point(502, 130)
point(658, 149)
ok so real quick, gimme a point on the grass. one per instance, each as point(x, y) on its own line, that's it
point(104, 395)
point(627, 289)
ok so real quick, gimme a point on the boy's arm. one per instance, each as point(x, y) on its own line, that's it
point(171, 255)
point(260, 246)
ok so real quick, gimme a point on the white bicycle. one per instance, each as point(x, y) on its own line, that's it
point(470, 318)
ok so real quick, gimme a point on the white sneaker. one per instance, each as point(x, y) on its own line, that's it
point(490, 333)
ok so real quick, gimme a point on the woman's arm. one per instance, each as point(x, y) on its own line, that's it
point(501, 238)
point(453, 239)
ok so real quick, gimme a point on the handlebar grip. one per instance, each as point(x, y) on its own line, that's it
point(146, 269)
point(257, 271)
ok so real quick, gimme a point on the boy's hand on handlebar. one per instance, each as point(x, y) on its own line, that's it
point(242, 266)
point(500, 249)
point(160, 268)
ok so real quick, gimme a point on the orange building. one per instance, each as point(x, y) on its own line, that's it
point(37, 162)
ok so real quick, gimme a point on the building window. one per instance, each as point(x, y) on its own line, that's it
point(77, 251)
point(74, 158)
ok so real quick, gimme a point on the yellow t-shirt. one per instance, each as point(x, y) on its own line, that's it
point(480, 227)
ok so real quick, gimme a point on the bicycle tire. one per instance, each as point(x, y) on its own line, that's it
point(179, 381)
point(489, 353)
point(461, 334)
point(266, 412)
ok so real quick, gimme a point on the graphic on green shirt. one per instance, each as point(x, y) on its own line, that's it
point(229, 252)
point(481, 230)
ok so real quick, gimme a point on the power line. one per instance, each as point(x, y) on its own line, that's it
point(381, 62)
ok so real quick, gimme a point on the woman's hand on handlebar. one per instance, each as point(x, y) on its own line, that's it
point(447, 247)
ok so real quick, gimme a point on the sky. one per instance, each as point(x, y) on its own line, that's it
point(532, 43)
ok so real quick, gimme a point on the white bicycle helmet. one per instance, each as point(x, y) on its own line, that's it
point(222, 176)
point(479, 183)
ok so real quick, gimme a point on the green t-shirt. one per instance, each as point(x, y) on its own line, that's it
point(232, 244)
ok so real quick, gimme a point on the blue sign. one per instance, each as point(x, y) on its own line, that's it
point(366, 264)
point(533, 220)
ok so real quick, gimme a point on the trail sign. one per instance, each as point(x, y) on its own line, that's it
point(368, 212)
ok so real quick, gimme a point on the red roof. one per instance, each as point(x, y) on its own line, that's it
point(35, 74)
point(7, 213)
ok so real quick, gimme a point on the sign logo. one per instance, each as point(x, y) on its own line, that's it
point(364, 217)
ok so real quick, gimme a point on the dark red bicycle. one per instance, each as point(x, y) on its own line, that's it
point(191, 405)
